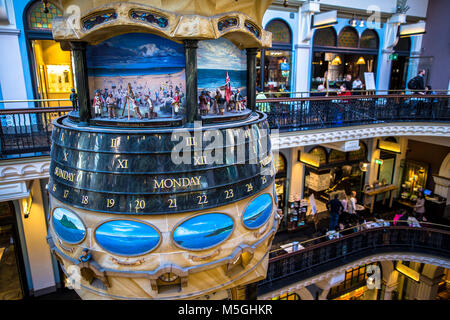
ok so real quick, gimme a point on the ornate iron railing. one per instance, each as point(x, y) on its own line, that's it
point(294, 114)
point(28, 130)
point(320, 254)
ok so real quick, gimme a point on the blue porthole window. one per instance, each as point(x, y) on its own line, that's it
point(203, 232)
point(68, 226)
point(258, 211)
point(127, 237)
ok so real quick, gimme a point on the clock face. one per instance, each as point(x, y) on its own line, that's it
point(151, 172)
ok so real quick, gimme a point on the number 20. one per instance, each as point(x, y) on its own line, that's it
point(140, 204)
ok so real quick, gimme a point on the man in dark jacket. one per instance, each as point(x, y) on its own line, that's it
point(335, 207)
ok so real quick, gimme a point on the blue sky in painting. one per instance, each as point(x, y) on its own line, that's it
point(136, 51)
point(220, 54)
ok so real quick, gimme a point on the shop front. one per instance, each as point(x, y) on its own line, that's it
point(274, 64)
point(281, 185)
point(51, 67)
point(330, 171)
point(336, 56)
point(354, 286)
point(12, 271)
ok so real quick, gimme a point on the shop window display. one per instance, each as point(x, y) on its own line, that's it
point(337, 172)
point(274, 65)
point(346, 60)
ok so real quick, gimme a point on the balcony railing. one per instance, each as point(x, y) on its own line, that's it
point(28, 130)
point(318, 255)
point(316, 112)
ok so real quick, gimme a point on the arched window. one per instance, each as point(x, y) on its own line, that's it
point(325, 37)
point(369, 39)
point(50, 66)
point(348, 38)
point(38, 20)
point(360, 154)
point(281, 34)
point(276, 61)
point(321, 153)
point(336, 156)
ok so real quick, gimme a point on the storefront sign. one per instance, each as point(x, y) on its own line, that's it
point(389, 146)
point(309, 159)
point(379, 161)
point(344, 146)
point(369, 80)
point(410, 273)
point(324, 20)
point(412, 29)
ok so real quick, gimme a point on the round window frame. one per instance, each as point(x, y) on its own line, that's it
point(56, 233)
point(134, 220)
point(248, 204)
point(197, 215)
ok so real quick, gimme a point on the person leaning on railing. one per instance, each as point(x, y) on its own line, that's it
point(262, 106)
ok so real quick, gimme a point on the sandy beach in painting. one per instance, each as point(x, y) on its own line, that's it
point(140, 83)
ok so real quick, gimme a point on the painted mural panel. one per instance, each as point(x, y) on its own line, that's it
point(222, 76)
point(145, 67)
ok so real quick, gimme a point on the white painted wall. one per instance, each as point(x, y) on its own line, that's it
point(12, 82)
point(417, 7)
point(35, 231)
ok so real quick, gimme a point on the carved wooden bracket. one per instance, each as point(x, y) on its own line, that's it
point(205, 257)
point(128, 263)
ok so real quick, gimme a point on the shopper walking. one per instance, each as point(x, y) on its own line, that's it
point(335, 208)
point(419, 208)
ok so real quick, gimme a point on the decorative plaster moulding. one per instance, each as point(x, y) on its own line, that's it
point(321, 136)
point(24, 170)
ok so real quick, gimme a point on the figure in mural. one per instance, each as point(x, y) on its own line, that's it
point(98, 104)
point(148, 105)
point(111, 105)
point(74, 99)
point(216, 102)
point(203, 105)
point(176, 103)
point(238, 101)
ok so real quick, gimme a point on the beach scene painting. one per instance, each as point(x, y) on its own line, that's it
point(152, 65)
point(216, 58)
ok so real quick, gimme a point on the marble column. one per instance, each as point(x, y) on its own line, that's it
point(81, 80)
point(390, 40)
point(251, 78)
point(302, 47)
point(190, 47)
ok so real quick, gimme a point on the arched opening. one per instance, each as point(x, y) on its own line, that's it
point(274, 70)
point(369, 39)
point(348, 38)
point(325, 37)
point(50, 66)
